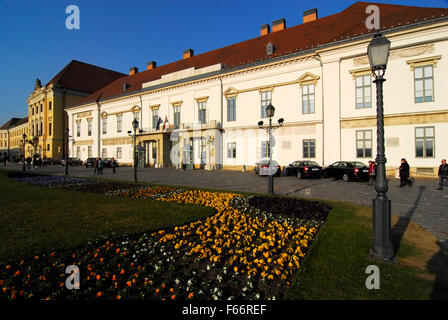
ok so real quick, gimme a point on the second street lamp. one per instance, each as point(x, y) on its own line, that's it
point(24, 142)
point(66, 150)
point(381, 248)
point(135, 127)
point(270, 111)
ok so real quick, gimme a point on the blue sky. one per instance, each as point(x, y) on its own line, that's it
point(34, 42)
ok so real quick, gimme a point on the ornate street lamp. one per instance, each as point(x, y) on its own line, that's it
point(66, 150)
point(24, 142)
point(381, 248)
point(135, 127)
point(270, 111)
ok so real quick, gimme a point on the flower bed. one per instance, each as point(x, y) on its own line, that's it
point(60, 182)
point(244, 251)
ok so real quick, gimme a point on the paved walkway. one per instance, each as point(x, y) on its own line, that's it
point(422, 203)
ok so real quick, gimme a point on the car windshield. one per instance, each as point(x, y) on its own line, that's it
point(359, 165)
point(311, 163)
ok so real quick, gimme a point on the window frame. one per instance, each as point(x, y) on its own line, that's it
point(264, 102)
point(231, 150)
point(308, 155)
point(364, 143)
point(363, 86)
point(425, 138)
point(202, 112)
point(423, 79)
point(231, 109)
point(306, 85)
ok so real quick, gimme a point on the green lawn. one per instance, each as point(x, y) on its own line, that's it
point(35, 219)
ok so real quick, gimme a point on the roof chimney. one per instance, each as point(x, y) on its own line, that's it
point(188, 53)
point(133, 71)
point(309, 15)
point(265, 29)
point(151, 65)
point(278, 25)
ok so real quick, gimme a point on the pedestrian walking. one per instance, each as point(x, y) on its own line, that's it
point(100, 166)
point(113, 164)
point(404, 174)
point(95, 166)
point(372, 172)
point(443, 174)
point(28, 162)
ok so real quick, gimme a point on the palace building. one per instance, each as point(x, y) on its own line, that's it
point(47, 103)
point(204, 109)
point(11, 137)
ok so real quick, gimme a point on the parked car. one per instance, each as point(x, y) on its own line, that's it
point(347, 170)
point(262, 168)
point(51, 161)
point(304, 169)
point(73, 162)
point(16, 159)
point(90, 162)
point(108, 163)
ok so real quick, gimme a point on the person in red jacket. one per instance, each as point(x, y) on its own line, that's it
point(372, 171)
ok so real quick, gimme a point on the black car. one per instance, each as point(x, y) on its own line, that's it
point(304, 169)
point(73, 162)
point(90, 162)
point(347, 170)
point(108, 163)
point(262, 168)
point(51, 161)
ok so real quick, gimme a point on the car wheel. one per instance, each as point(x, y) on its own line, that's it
point(345, 177)
point(299, 175)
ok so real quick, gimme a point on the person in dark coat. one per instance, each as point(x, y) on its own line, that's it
point(113, 164)
point(95, 166)
point(404, 174)
point(443, 174)
point(28, 162)
point(100, 166)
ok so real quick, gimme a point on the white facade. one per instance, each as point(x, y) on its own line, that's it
point(333, 123)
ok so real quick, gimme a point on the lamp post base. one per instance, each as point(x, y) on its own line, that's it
point(382, 248)
point(271, 184)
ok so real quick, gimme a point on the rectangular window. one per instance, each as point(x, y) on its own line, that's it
point(78, 128)
point(49, 105)
point(89, 127)
point(309, 148)
point(89, 152)
point(308, 98)
point(231, 150)
point(424, 142)
point(104, 153)
point(231, 109)
point(119, 123)
point(48, 147)
point(203, 147)
point(78, 152)
point(104, 125)
point(154, 151)
point(119, 152)
point(41, 108)
point(265, 101)
point(423, 84)
point(49, 129)
point(202, 112)
point(265, 150)
point(364, 143)
point(137, 115)
point(363, 92)
point(155, 118)
point(176, 117)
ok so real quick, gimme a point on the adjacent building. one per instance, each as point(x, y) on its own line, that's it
point(47, 103)
point(204, 109)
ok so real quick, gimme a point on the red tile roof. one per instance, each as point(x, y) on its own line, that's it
point(10, 123)
point(343, 26)
point(84, 77)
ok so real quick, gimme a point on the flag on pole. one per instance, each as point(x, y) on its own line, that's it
point(165, 122)
point(159, 122)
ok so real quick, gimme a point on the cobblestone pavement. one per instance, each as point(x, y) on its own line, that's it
point(422, 203)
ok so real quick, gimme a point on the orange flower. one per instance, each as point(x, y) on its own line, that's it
point(129, 283)
point(122, 271)
point(8, 267)
point(101, 259)
point(173, 296)
point(190, 295)
point(113, 278)
point(2, 282)
point(17, 273)
point(118, 297)
point(118, 250)
point(98, 277)
point(95, 255)
point(171, 290)
point(163, 285)
point(99, 294)
point(4, 290)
